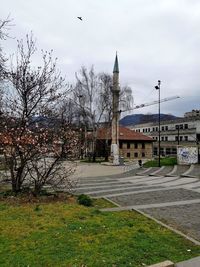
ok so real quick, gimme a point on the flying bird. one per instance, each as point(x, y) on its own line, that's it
point(80, 18)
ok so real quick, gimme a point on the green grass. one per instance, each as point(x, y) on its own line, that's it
point(60, 234)
point(101, 203)
point(163, 162)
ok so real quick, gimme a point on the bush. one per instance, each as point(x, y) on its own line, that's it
point(85, 200)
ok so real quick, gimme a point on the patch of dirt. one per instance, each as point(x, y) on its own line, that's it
point(46, 198)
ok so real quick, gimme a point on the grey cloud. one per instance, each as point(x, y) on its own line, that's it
point(155, 39)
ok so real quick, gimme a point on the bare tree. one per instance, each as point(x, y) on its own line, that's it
point(93, 93)
point(34, 92)
point(89, 94)
point(4, 27)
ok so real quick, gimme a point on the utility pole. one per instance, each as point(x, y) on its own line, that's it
point(157, 87)
point(115, 114)
point(178, 129)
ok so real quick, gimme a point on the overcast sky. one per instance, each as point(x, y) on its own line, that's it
point(155, 39)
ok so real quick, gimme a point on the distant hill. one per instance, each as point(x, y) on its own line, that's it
point(144, 118)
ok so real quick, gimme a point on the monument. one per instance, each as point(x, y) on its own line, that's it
point(115, 114)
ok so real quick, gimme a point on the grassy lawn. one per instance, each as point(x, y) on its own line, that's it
point(163, 162)
point(61, 234)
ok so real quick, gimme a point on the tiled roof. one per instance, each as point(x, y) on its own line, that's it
point(124, 134)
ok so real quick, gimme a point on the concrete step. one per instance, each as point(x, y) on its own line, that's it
point(178, 170)
point(147, 171)
point(194, 171)
point(163, 171)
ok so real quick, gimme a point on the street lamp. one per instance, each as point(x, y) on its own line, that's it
point(178, 129)
point(157, 87)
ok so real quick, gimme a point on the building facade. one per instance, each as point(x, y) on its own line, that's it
point(193, 113)
point(181, 131)
point(132, 145)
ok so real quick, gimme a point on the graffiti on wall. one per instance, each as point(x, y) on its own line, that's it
point(187, 155)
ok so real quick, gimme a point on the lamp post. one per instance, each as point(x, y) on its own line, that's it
point(178, 129)
point(157, 87)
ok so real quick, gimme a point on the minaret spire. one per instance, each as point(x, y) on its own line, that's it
point(116, 65)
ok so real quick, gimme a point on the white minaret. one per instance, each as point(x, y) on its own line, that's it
point(115, 114)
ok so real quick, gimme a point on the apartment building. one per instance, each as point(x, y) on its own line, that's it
point(181, 131)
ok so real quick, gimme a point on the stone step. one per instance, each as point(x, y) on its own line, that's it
point(178, 170)
point(124, 191)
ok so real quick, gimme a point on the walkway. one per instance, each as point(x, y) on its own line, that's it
point(174, 200)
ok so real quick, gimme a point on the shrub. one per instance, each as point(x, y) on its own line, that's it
point(37, 208)
point(85, 200)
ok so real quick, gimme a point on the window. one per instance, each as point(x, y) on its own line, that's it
point(143, 145)
point(168, 151)
point(186, 126)
point(181, 138)
point(181, 126)
point(186, 138)
point(153, 129)
point(176, 138)
point(162, 151)
point(143, 130)
point(162, 138)
point(135, 154)
point(128, 145)
point(128, 155)
point(136, 145)
point(149, 129)
point(166, 128)
point(166, 138)
point(143, 154)
point(174, 150)
point(120, 145)
point(156, 128)
point(163, 128)
point(155, 150)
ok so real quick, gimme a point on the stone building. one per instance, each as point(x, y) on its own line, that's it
point(132, 145)
point(181, 131)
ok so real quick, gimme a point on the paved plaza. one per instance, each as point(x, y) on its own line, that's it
point(174, 200)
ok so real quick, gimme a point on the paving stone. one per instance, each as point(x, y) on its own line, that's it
point(96, 181)
point(185, 218)
point(155, 197)
point(147, 171)
point(102, 185)
point(101, 194)
point(103, 189)
point(178, 181)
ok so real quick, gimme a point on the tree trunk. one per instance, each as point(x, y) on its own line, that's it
point(17, 181)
